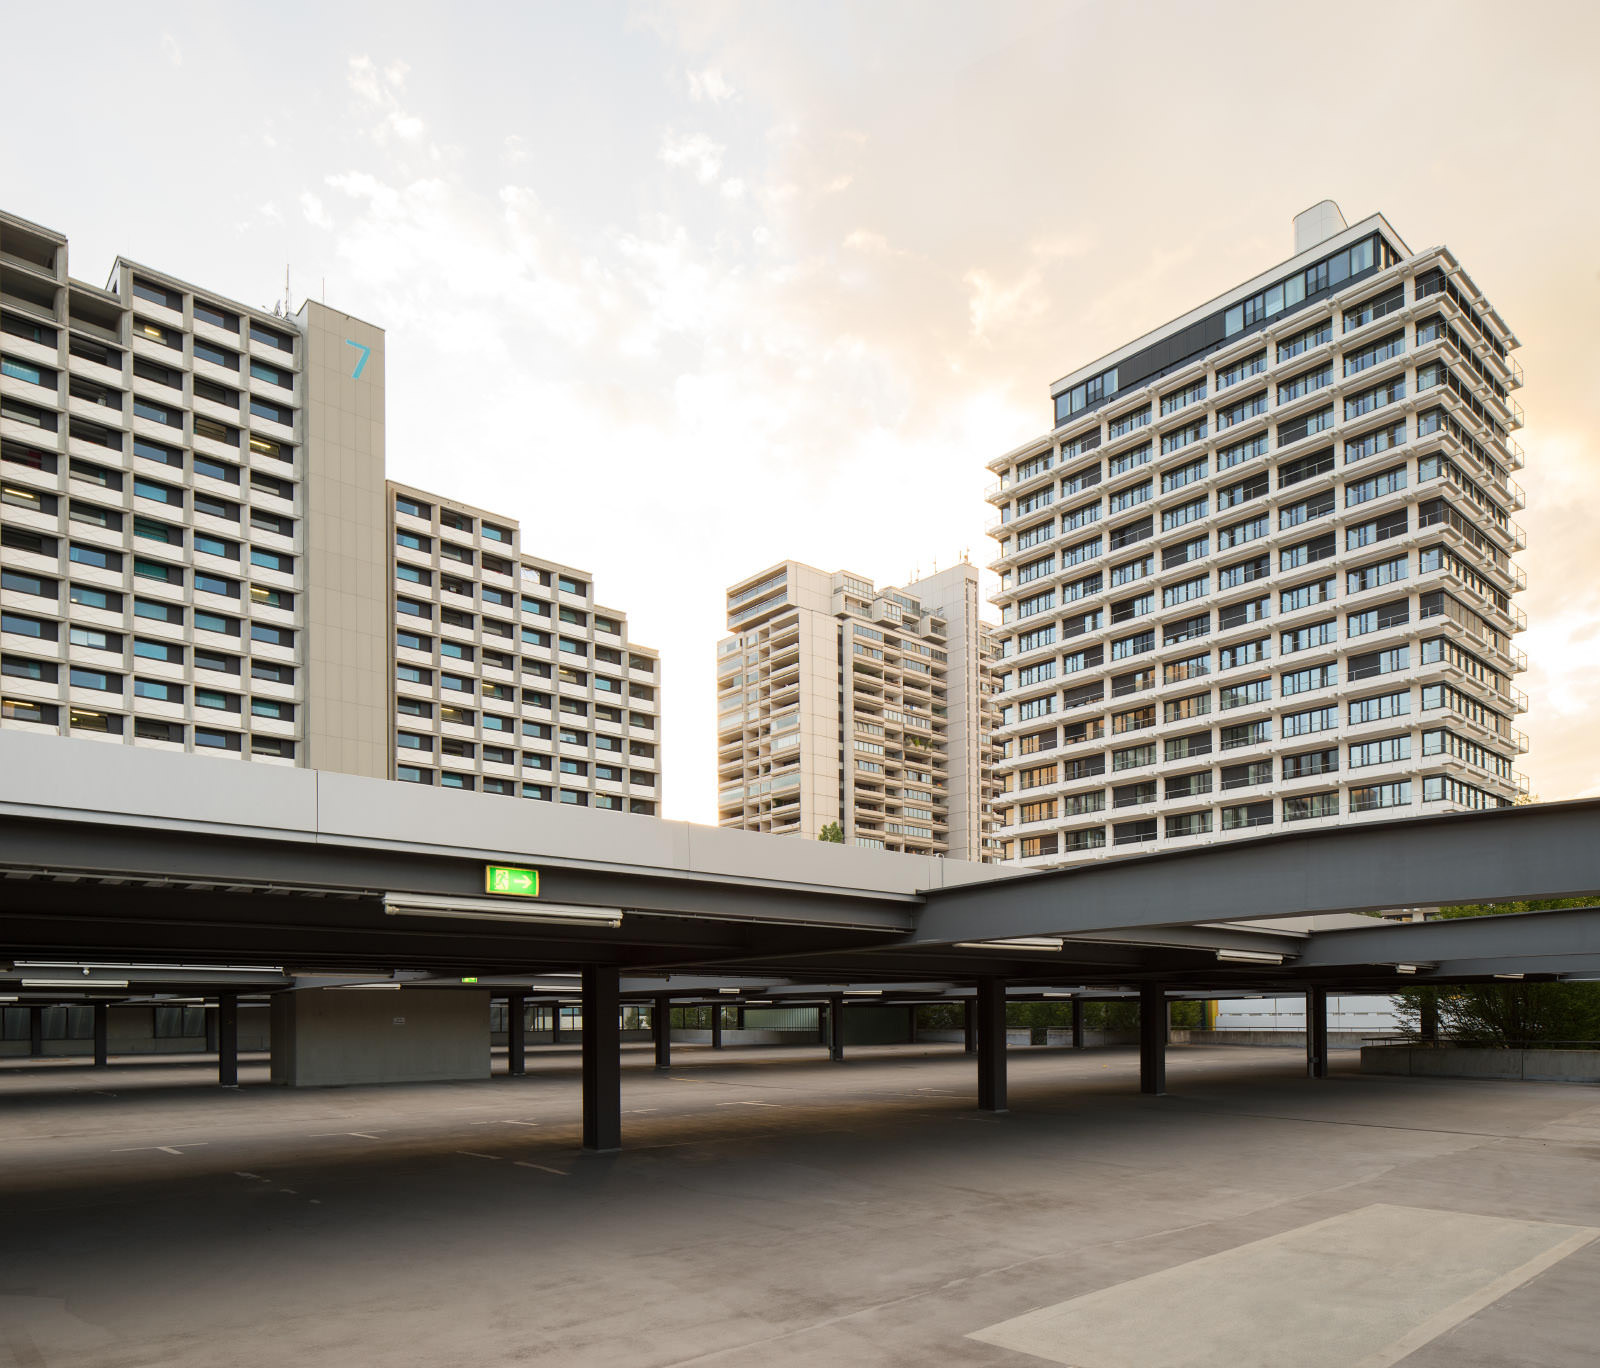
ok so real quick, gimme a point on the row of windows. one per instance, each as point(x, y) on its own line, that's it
point(146, 648)
point(88, 720)
point(1244, 816)
point(1363, 754)
point(413, 774)
point(44, 629)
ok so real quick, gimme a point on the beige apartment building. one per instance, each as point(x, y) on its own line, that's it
point(1260, 574)
point(200, 551)
point(872, 708)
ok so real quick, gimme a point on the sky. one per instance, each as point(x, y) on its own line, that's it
point(691, 289)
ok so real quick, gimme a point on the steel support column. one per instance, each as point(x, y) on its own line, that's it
point(602, 1059)
point(1316, 1033)
point(35, 1030)
point(101, 1034)
point(836, 1027)
point(969, 1027)
point(991, 1023)
point(1428, 1022)
point(1152, 1039)
point(228, 1039)
point(716, 1025)
point(555, 1023)
point(516, 1035)
point(661, 1031)
point(1077, 1023)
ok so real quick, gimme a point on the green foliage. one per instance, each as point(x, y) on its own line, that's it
point(831, 831)
point(1505, 1014)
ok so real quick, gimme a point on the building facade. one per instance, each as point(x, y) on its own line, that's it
point(199, 551)
point(1260, 576)
point(842, 703)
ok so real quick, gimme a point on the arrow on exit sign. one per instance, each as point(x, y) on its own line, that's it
point(517, 883)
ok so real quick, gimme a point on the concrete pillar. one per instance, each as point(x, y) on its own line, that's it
point(35, 1030)
point(602, 1059)
point(516, 1035)
point(836, 1027)
point(1316, 1033)
point(101, 1050)
point(555, 1023)
point(661, 1031)
point(991, 1020)
point(716, 1025)
point(969, 1026)
point(1077, 1023)
point(228, 1039)
point(1153, 1039)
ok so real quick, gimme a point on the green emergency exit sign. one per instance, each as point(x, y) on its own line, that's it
point(518, 883)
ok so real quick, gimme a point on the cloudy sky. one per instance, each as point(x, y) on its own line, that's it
point(691, 289)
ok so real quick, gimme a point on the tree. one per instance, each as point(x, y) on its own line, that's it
point(831, 831)
point(1506, 1014)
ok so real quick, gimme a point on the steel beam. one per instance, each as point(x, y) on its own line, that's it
point(602, 1059)
point(1544, 850)
point(716, 1025)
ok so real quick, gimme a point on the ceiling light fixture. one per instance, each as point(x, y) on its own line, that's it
point(487, 909)
point(1249, 957)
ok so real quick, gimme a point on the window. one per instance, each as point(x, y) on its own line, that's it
point(159, 690)
point(1312, 677)
point(1373, 576)
point(273, 413)
point(1305, 763)
point(1307, 382)
point(1380, 706)
point(272, 560)
point(1246, 734)
point(1297, 429)
point(1240, 452)
point(1386, 750)
point(102, 599)
point(154, 611)
point(98, 680)
point(1397, 793)
point(1311, 805)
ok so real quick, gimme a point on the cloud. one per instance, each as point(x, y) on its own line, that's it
point(380, 91)
point(516, 147)
point(170, 49)
point(312, 209)
point(708, 86)
point(695, 152)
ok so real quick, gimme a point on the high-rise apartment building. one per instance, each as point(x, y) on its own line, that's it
point(871, 708)
point(200, 551)
point(1259, 575)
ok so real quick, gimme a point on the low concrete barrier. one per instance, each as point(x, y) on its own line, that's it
point(1337, 1040)
point(1458, 1061)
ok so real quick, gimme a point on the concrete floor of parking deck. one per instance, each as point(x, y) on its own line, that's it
point(772, 1208)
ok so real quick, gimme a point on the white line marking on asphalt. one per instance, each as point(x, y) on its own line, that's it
point(748, 1104)
point(290, 1191)
point(559, 1173)
point(165, 1149)
point(362, 1135)
point(473, 1154)
point(519, 1123)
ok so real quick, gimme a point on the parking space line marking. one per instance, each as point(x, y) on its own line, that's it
point(559, 1173)
point(165, 1149)
point(748, 1104)
point(473, 1154)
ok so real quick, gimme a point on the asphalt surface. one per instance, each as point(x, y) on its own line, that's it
point(771, 1208)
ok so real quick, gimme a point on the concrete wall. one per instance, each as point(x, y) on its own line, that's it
point(1337, 1040)
point(1566, 1066)
point(324, 1037)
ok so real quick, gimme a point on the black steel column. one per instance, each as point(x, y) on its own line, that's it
point(228, 1039)
point(911, 1023)
point(101, 1049)
point(1316, 1033)
point(210, 1014)
point(555, 1023)
point(661, 1031)
point(836, 1027)
point(516, 1035)
point(35, 1030)
point(602, 1059)
point(1152, 1039)
point(738, 1018)
point(822, 1023)
point(969, 1026)
point(716, 1025)
point(1077, 1023)
point(991, 1022)
point(1428, 1022)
